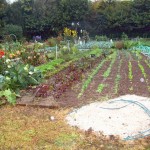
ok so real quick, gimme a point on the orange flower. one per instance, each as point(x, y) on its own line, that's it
point(2, 53)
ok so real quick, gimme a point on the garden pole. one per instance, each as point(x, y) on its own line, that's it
point(56, 51)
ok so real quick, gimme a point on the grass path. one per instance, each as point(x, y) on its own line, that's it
point(26, 128)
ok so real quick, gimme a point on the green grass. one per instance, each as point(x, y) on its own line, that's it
point(27, 128)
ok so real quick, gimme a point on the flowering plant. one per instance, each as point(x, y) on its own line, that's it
point(2, 61)
point(69, 34)
point(2, 53)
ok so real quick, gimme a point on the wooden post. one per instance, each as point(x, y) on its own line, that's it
point(56, 51)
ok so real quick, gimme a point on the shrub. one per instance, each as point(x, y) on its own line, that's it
point(13, 29)
point(124, 36)
point(52, 41)
point(119, 45)
point(129, 44)
point(74, 49)
point(101, 38)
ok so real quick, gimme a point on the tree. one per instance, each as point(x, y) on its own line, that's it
point(14, 14)
point(141, 14)
point(3, 5)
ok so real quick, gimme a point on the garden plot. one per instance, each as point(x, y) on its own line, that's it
point(126, 116)
point(127, 75)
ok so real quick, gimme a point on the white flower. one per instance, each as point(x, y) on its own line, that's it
point(7, 60)
point(31, 73)
point(9, 66)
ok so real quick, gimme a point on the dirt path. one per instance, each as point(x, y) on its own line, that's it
point(124, 82)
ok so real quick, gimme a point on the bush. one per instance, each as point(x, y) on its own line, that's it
point(13, 29)
point(129, 44)
point(119, 45)
point(124, 36)
point(74, 50)
point(52, 42)
point(101, 38)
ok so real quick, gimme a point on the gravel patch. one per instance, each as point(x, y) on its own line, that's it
point(126, 116)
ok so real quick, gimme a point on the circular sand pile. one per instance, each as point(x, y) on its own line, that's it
point(125, 116)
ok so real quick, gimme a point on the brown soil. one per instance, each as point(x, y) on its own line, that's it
point(70, 96)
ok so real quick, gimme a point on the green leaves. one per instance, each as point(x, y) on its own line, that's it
point(101, 87)
point(9, 95)
point(18, 76)
point(130, 75)
point(107, 72)
point(118, 77)
point(50, 66)
point(90, 78)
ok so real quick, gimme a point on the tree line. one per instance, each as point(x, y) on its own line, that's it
point(103, 17)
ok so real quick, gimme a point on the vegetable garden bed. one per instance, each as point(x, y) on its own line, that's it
point(107, 78)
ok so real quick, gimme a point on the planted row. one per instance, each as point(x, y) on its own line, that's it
point(118, 77)
point(130, 74)
point(107, 73)
point(144, 74)
point(90, 77)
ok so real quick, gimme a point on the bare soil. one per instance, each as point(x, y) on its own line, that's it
point(70, 97)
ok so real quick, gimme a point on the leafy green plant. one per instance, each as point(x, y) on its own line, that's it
point(138, 54)
point(130, 75)
point(50, 66)
point(148, 64)
point(101, 87)
point(107, 72)
point(74, 50)
point(144, 74)
point(142, 70)
point(9, 95)
point(118, 77)
point(90, 77)
point(17, 76)
point(13, 29)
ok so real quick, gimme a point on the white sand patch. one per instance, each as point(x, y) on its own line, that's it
point(124, 116)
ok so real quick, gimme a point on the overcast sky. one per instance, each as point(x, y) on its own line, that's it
point(11, 1)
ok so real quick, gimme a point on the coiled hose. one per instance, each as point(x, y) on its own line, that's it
point(141, 134)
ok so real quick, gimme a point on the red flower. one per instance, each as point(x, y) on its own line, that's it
point(2, 53)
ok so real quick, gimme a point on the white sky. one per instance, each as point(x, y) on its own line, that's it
point(11, 1)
